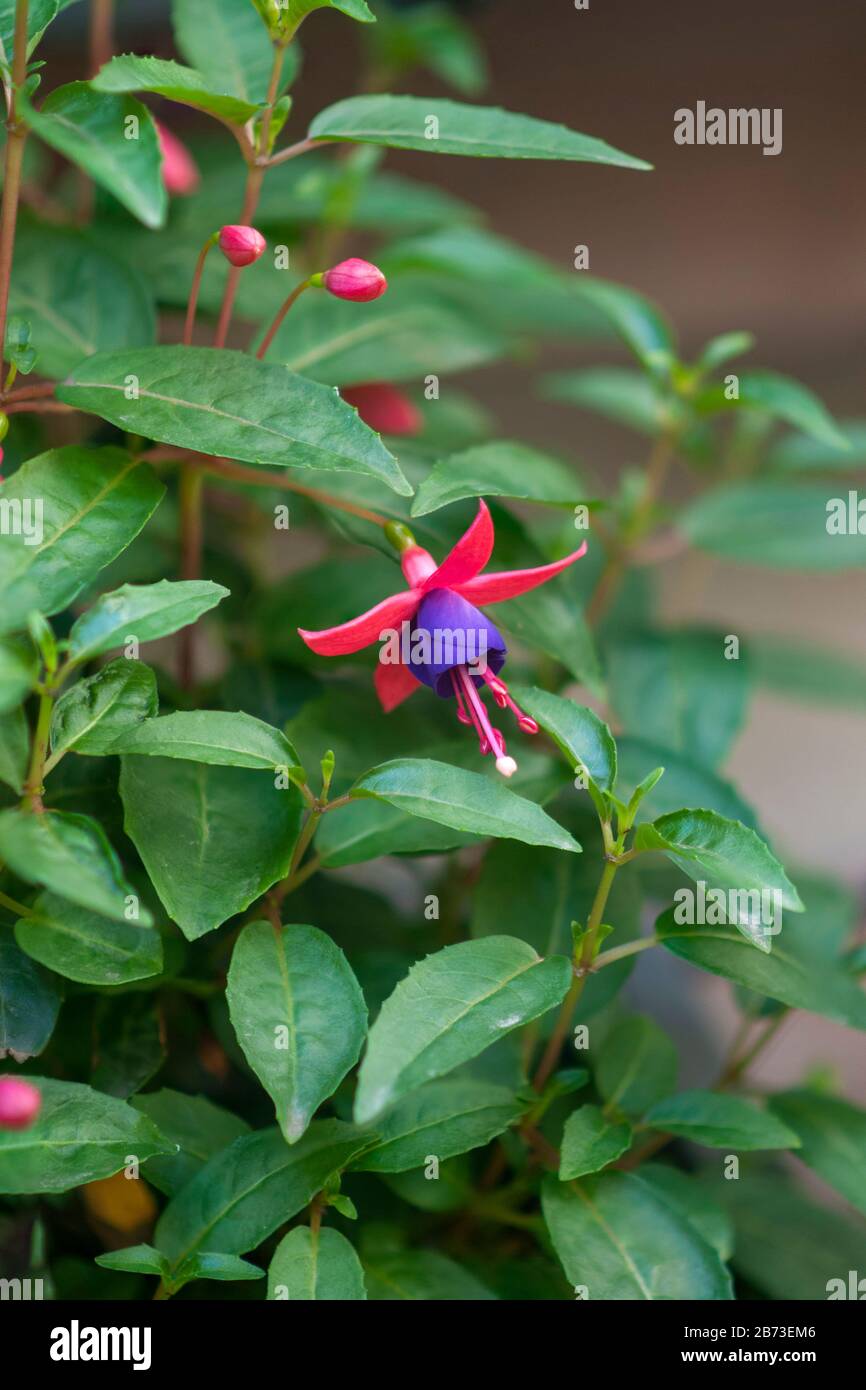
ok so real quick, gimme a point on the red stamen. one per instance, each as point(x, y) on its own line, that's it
point(502, 696)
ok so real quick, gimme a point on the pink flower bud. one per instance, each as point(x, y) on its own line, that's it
point(241, 245)
point(385, 409)
point(355, 279)
point(19, 1103)
point(179, 172)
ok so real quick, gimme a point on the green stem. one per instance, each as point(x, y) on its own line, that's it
point(631, 948)
point(34, 785)
point(18, 908)
point(269, 336)
point(563, 1023)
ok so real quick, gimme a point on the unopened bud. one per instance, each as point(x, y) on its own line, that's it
point(385, 409)
point(179, 170)
point(20, 1102)
point(355, 279)
point(241, 245)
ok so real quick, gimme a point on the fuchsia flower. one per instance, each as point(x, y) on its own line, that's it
point(241, 245)
point(355, 279)
point(440, 601)
point(385, 409)
point(20, 1103)
point(179, 170)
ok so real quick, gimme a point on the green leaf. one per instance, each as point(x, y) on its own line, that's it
point(29, 1002)
point(443, 1118)
point(299, 1016)
point(577, 731)
point(637, 321)
point(246, 1191)
point(227, 403)
point(142, 611)
point(199, 1128)
point(693, 1202)
point(295, 11)
point(832, 1137)
point(94, 502)
point(720, 1122)
point(403, 122)
point(77, 297)
point(91, 714)
point(367, 829)
point(213, 839)
point(466, 801)
point(679, 691)
point(802, 452)
point(637, 1066)
point(498, 469)
point(14, 748)
point(79, 1136)
point(723, 347)
point(213, 1265)
point(431, 37)
point(748, 884)
point(412, 330)
point(320, 1265)
point(778, 396)
point(91, 129)
point(619, 1240)
point(39, 16)
point(778, 525)
point(127, 73)
point(228, 44)
point(684, 783)
point(83, 946)
point(590, 1142)
point(421, 1276)
point(128, 1043)
point(135, 1259)
point(17, 673)
point(805, 672)
point(830, 990)
point(621, 394)
point(69, 854)
point(451, 1006)
point(220, 738)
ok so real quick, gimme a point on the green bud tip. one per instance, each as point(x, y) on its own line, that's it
point(4, 425)
point(399, 536)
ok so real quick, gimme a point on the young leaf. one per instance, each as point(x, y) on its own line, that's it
point(299, 1016)
point(91, 129)
point(498, 469)
point(585, 739)
point(308, 1265)
point(444, 1118)
point(832, 1136)
point(14, 748)
point(830, 990)
point(128, 73)
point(70, 855)
point(637, 1066)
point(199, 1128)
point(94, 502)
point(79, 1136)
point(619, 1240)
point(249, 1189)
point(78, 298)
point(621, 394)
point(135, 1259)
point(778, 396)
point(214, 1265)
point(220, 738)
point(228, 44)
point(802, 452)
point(145, 611)
point(730, 859)
point(212, 838)
point(590, 1142)
point(720, 1122)
point(227, 403)
point(91, 714)
point(29, 1002)
point(404, 122)
point(83, 946)
point(465, 801)
point(685, 783)
point(451, 1006)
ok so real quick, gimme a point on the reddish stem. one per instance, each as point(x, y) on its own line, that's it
point(269, 336)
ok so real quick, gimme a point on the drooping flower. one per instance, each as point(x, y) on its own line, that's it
point(355, 279)
point(445, 641)
point(241, 245)
point(385, 409)
point(179, 170)
point(20, 1103)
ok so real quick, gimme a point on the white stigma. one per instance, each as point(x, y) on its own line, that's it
point(507, 766)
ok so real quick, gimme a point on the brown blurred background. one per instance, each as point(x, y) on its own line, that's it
point(723, 238)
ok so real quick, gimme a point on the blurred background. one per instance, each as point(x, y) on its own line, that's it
point(722, 238)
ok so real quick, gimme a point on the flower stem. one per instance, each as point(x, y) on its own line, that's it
point(101, 33)
point(191, 483)
point(631, 948)
point(16, 135)
point(194, 289)
point(33, 787)
point(269, 336)
point(557, 1038)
